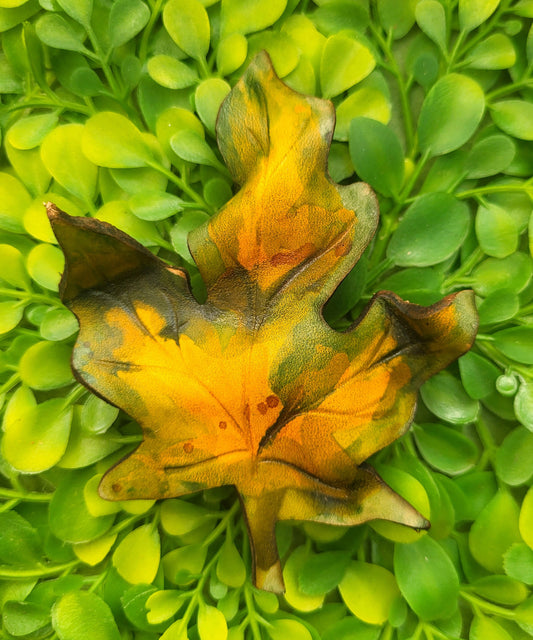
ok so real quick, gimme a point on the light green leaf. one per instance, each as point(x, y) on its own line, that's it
point(376, 155)
point(126, 19)
point(516, 343)
point(512, 273)
point(231, 53)
point(79, 10)
point(154, 205)
point(498, 306)
point(515, 117)
point(397, 17)
point(367, 102)
point(190, 146)
point(187, 23)
point(46, 365)
point(494, 531)
point(523, 404)
point(38, 440)
point(450, 114)
point(208, 98)
point(490, 156)
point(431, 230)
point(496, 231)
point(59, 33)
point(162, 605)
point(137, 556)
point(344, 62)
point(295, 597)
point(82, 615)
point(25, 619)
point(117, 213)
point(478, 375)
point(14, 199)
point(178, 234)
point(483, 628)
point(526, 519)
point(63, 157)
point(13, 270)
point(283, 628)
point(431, 18)
point(472, 13)
point(518, 562)
point(211, 623)
point(359, 586)
point(495, 52)
point(28, 132)
point(179, 517)
point(45, 265)
point(111, 140)
point(230, 566)
point(170, 72)
point(58, 324)
point(248, 16)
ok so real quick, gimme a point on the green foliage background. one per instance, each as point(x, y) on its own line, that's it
point(434, 110)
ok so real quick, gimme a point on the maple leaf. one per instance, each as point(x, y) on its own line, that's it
point(253, 388)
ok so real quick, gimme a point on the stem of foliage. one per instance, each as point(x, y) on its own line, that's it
point(147, 32)
point(9, 573)
point(487, 607)
point(23, 496)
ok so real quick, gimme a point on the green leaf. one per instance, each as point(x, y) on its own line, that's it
point(28, 132)
point(431, 230)
point(170, 72)
point(377, 155)
point(58, 32)
point(58, 324)
point(444, 396)
point(248, 16)
point(19, 543)
point(179, 517)
point(345, 62)
point(45, 265)
point(14, 200)
point(513, 457)
point(496, 231)
point(501, 589)
point(359, 586)
point(82, 615)
point(38, 440)
point(526, 519)
point(69, 518)
point(187, 23)
point(516, 343)
point(366, 102)
point(518, 562)
point(26, 619)
point(117, 213)
point(207, 99)
point(11, 313)
point(495, 52)
point(396, 17)
point(79, 10)
point(494, 531)
point(283, 628)
point(162, 605)
point(62, 155)
point(523, 404)
point(190, 146)
point(493, 274)
point(433, 594)
point(231, 53)
point(230, 569)
point(450, 114)
point(211, 623)
point(515, 117)
point(498, 306)
point(46, 365)
point(322, 572)
point(111, 140)
point(137, 556)
point(431, 18)
point(483, 628)
point(13, 270)
point(184, 565)
point(178, 234)
point(445, 449)
point(472, 13)
point(295, 597)
point(350, 628)
point(154, 205)
point(490, 156)
point(126, 19)
point(339, 15)
point(478, 375)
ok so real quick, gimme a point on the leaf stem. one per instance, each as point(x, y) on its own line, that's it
point(488, 607)
point(23, 496)
point(12, 573)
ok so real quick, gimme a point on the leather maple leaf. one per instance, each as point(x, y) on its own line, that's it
point(253, 388)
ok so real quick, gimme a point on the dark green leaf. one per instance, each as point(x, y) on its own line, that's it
point(126, 19)
point(478, 375)
point(322, 572)
point(19, 542)
point(445, 449)
point(516, 343)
